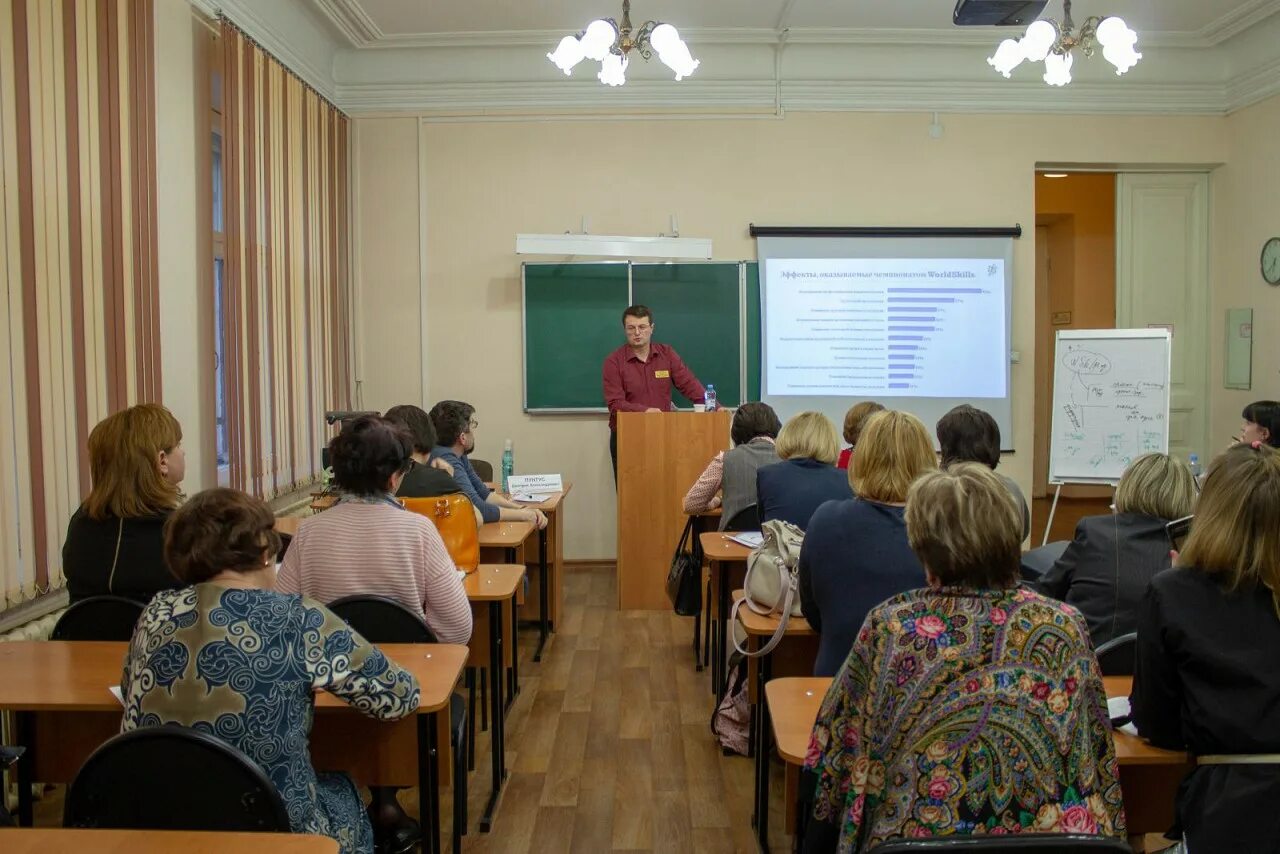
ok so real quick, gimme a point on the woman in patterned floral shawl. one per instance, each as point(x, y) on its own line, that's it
point(971, 706)
point(231, 657)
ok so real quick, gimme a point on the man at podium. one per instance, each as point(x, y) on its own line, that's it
point(638, 375)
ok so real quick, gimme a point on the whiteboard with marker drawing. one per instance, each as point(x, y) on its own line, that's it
point(1110, 402)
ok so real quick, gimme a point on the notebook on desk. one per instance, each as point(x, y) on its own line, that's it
point(750, 539)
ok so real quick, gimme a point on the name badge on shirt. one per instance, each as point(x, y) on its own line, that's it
point(662, 375)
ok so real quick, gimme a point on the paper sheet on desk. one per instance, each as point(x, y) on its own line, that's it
point(1118, 707)
point(117, 693)
point(527, 498)
point(750, 539)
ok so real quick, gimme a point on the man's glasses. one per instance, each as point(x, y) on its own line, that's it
point(631, 329)
point(474, 424)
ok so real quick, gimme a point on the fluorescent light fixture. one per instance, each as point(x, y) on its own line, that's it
point(613, 246)
point(1054, 174)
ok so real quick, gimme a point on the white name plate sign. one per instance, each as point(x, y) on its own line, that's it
point(535, 484)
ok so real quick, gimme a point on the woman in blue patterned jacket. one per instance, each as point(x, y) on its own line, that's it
point(970, 706)
point(229, 656)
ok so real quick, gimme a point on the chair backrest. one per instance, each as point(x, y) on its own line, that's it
point(1020, 843)
point(483, 468)
point(747, 519)
point(173, 778)
point(1038, 561)
point(98, 618)
point(382, 620)
point(1116, 656)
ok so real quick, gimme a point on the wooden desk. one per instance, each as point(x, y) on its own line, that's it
point(1149, 776)
point(58, 840)
point(722, 556)
point(59, 694)
point(503, 542)
point(797, 651)
point(288, 525)
point(323, 501)
point(551, 579)
point(491, 588)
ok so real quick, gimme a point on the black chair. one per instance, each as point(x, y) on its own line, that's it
point(1021, 843)
point(98, 618)
point(483, 468)
point(8, 756)
point(1037, 562)
point(384, 620)
point(173, 778)
point(1116, 657)
point(745, 520)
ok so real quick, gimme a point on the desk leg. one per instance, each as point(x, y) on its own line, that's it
point(544, 590)
point(722, 630)
point(497, 732)
point(760, 719)
point(511, 682)
point(514, 687)
point(429, 778)
point(24, 736)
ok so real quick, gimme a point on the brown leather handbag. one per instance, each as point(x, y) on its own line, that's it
point(455, 519)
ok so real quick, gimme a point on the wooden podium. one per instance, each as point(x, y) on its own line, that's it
point(660, 455)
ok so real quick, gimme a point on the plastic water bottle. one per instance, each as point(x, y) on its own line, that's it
point(508, 464)
point(710, 399)
point(1193, 462)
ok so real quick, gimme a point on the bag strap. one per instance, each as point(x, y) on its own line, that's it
point(684, 537)
point(787, 595)
point(115, 559)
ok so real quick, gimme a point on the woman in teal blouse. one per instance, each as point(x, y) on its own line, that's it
point(229, 656)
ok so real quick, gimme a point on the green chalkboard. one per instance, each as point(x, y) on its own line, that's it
point(572, 320)
point(696, 310)
point(572, 314)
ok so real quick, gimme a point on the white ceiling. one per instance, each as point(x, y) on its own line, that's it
point(405, 18)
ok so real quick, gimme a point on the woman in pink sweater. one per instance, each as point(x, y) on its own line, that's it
point(368, 544)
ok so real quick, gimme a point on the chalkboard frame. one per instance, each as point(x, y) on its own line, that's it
point(748, 311)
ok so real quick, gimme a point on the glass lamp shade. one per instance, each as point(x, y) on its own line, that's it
point(1057, 69)
point(1122, 56)
point(1114, 31)
point(613, 70)
point(1038, 40)
point(672, 50)
point(1008, 56)
point(567, 54)
point(598, 39)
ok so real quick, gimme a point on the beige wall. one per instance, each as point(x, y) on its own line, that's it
point(186, 325)
point(1246, 214)
point(484, 182)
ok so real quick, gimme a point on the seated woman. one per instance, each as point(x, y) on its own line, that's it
point(854, 420)
point(1206, 678)
point(755, 427)
point(115, 540)
point(967, 434)
point(1261, 423)
point(368, 543)
point(1106, 569)
point(855, 553)
point(230, 656)
point(792, 489)
point(969, 707)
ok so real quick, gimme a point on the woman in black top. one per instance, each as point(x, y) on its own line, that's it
point(1106, 569)
point(791, 490)
point(1206, 678)
point(115, 539)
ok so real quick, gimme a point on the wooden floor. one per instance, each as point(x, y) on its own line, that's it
point(608, 743)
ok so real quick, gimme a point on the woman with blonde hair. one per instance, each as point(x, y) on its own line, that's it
point(1206, 679)
point(855, 552)
point(1106, 569)
point(792, 489)
point(115, 540)
point(969, 707)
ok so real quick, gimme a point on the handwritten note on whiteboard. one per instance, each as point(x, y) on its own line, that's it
point(1110, 402)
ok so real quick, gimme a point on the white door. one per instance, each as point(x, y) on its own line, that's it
point(1162, 279)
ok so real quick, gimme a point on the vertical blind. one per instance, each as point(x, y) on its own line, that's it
point(286, 330)
point(79, 327)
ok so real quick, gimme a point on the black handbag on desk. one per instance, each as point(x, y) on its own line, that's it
point(684, 581)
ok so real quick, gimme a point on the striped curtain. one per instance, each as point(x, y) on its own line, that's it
point(79, 327)
point(286, 330)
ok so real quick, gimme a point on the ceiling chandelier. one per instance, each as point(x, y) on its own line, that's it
point(609, 44)
point(1050, 42)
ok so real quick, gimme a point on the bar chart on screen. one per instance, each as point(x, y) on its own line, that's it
point(888, 327)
